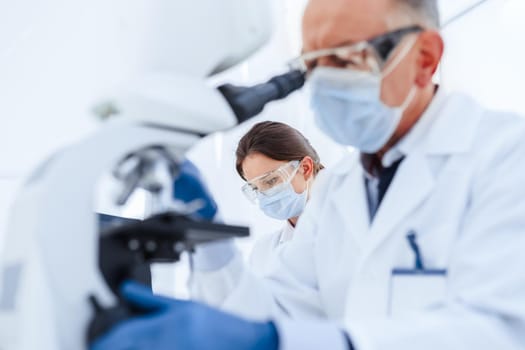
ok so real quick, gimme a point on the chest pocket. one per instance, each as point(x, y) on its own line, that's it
point(417, 288)
point(412, 291)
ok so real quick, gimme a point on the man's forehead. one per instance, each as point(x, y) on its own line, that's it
point(331, 23)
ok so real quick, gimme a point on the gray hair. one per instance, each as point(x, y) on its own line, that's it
point(426, 12)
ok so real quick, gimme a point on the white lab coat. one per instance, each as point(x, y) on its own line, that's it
point(266, 248)
point(462, 190)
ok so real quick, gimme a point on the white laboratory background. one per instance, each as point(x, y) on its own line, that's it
point(56, 54)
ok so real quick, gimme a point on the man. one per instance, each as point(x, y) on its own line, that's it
point(415, 243)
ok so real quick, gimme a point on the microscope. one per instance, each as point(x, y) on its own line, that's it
point(61, 267)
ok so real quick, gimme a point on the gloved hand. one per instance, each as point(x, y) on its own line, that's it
point(170, 324)
point(190, 186)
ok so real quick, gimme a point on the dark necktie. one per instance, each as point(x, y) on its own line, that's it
point(385, 177)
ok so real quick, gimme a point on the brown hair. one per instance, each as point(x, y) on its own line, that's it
point(277, 141)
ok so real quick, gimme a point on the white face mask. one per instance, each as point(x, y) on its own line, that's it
point(285, 204)
point(348, 108)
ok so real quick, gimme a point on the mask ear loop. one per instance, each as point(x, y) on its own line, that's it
point(307, 189)
point(410, 97)
point(393, 65)
point(397, 60)
point(308, 183)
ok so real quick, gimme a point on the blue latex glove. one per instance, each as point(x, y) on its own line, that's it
point(190, 186)
point(183, 325)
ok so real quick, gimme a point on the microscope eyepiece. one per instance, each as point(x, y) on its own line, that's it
point(247, 102)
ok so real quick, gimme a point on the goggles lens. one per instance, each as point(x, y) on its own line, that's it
point(270, 183)
point(370, 55)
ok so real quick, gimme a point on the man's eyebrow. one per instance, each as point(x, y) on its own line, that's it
point(346, 43)
point(335, 46)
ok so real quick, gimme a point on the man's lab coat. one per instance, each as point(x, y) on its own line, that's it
point(461, 191)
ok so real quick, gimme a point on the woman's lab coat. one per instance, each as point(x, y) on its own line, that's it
point(461, 192)
point(266, 249)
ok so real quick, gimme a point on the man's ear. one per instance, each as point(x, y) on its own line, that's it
point(431, 47)
point(307, 166)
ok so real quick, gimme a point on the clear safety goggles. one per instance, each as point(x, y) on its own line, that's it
point(272, 182)
point(370, 55)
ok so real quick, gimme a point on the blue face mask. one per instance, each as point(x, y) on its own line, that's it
point(348, 107)
point(285, 204)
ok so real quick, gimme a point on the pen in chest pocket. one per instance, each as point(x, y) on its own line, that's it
point(412, 241)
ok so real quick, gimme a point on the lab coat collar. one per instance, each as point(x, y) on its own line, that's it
point(448, 126)
point(455, 127)
point(452, 131)
point(286, 232)
point(418, 132)
point(440, 130)
point(404, 195)
point(412, 184)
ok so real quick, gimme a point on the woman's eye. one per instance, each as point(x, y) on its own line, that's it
point(334, 61)
point(339, 61)
point(270, 182)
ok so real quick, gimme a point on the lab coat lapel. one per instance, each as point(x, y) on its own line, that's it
point(403, 196)
point(353, 205)
point(451, 133)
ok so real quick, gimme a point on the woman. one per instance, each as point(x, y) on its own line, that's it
point(279, 166)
